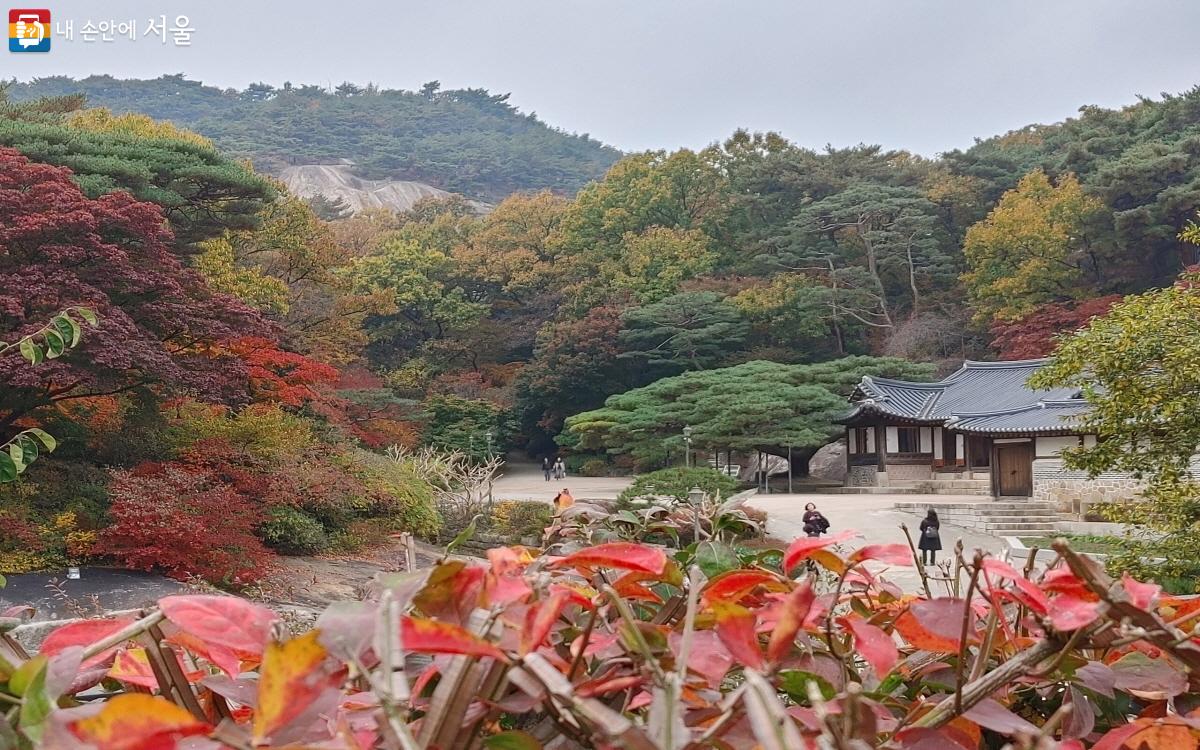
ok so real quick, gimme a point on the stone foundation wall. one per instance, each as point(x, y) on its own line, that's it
point(908, 472)
point(862, 476)
point(1073, 492)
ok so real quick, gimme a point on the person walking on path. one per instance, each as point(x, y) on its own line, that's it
point(815, 524)
point(546, 467)
point(931, 538)
point(560, 469)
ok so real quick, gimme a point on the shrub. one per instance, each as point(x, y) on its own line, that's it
point(265, 431)
point(675, 483)
point(289, 531)
point(516, 519)
point(596, 467)
point(396, 494)
point(185, 523)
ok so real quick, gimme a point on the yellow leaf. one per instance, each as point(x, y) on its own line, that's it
point(133, 720)
point(293, 676)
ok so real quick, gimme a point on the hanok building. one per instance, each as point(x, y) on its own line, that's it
point(982, 424)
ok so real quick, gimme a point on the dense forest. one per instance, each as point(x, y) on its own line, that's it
point(467, 141)
point(252, 355)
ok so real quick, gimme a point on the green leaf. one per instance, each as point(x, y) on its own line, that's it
point(463, 535)
point(47, 439)
point(29, 448)
point(3, 581)
point(17, 453)
point(31, 351)
point(55, 345)
point(715, 558)
point(68, 329)
point(512, 740)
point(8, 469)
point(795, 682)
point(88, 315)
point(35, 705)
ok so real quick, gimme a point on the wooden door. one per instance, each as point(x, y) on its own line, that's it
point(950, 448)
point(1014, 469)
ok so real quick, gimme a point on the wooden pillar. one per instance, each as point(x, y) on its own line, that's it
point(881, 447)
point(967, 453)
point(850, 450)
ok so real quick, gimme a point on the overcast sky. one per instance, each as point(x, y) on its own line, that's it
point(927, 75)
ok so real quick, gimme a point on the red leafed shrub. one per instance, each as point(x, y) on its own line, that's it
point(632, 645)
point(1034, 335)
point(281, 377)
point(184, 521)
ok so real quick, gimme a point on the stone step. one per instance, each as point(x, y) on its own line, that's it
point(902, 490)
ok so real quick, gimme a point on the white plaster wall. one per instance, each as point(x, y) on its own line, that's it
point(1053, 446)
point(870, 439)
point(959, 449)
point(937, 442)
point(852, 440)
point(926, 440)
point(893, 440)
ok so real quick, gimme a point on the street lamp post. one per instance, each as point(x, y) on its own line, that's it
point(687, 446)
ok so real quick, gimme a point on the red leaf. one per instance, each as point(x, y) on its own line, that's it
point(622, 555)
point(1153, 679)
point(84, 633)
point(224, 620)
point(1115, 738)
point(136, 721)
point(800, 549)
point(892, 554)
point(608, 685)
point(1027, 591)
point(736, 629)
point(733, 585)
point(921, 738)
point(876, 646)
point(506, 580)
point(1142, 595)
point(1071, 613)
point(991, 715)
point(936, 624)
point(791, 618)
point(540, 618)
point(433, 637)
point(221, 657)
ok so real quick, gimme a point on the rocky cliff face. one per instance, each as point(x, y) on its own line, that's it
point(336, 181)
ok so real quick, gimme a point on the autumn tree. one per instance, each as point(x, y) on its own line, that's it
point(113, 255)
point(292, 268)
point(1038, 333)
point(1033, 248)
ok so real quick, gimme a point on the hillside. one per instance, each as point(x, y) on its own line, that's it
point(464, 141)
point(338, 181)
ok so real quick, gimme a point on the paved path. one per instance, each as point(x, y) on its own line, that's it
point(97, 590)
point(524, 481)
point(875, 518)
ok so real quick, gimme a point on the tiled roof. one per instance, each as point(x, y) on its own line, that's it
point(980, 396)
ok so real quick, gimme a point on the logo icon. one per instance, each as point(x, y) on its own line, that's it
point(28, 30)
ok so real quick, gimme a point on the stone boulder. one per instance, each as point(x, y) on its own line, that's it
point(829, 462)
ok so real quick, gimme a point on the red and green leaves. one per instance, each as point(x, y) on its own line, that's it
point(433, 637)
point(803, 548)
point(619, 555)
point(937, 624)
point(875, 645)
point(136, 721)
point(226, 621)
point(737, 628)
point(85, 633)
point(294, 674)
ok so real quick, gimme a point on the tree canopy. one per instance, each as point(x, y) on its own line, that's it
point(747, 407)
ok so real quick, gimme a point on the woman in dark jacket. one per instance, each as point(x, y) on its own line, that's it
point(931, 538)
point(815, 524)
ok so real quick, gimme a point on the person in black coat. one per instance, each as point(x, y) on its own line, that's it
point(815, 524)
point(931, 538)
